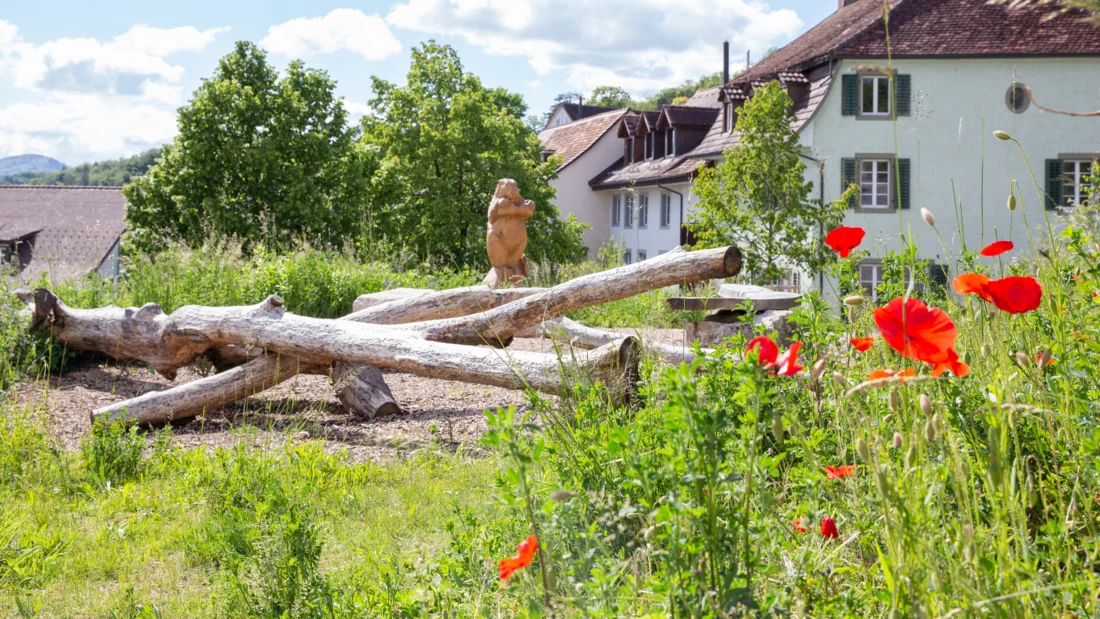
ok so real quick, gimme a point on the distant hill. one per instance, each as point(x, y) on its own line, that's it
point(102, 173)
point(24, 164)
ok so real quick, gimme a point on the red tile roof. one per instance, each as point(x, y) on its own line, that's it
point(76, 226)
point(574, 139)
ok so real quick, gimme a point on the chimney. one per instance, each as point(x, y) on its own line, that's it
point(580, 102)
point(726, 61)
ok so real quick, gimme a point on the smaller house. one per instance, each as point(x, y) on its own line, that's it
point(61, 232)
point(568, 112)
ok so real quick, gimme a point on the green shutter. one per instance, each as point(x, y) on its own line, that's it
point(1054, 183)
point(938, 274)
point(904, 94)
point(850, 99)
point(848, 177)
point(903, 182)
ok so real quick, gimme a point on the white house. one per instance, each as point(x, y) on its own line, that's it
point(916, 135)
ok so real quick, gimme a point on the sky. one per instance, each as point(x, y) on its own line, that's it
point(83, 81)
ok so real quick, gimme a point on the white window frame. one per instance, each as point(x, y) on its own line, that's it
point(616, 210)
point(873, 190)
point(642, 257)
point(666, 211)
point(875, 267)
point(628, 211)
point(670, 142)
point(643, 211)
point(729, 124)
point(1074, 187)
point(874, 79)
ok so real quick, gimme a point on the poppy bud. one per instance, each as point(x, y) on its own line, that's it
point(1012, 202)
point(1022, 359)
point(818, 369)
point(929, 431)
point(882, 482)
point(561, 495)
point(925, 404)
point(888, 417)
point(1044, 359)
point(650, 532)
point(853, 300)
point(897, 440)
point(864, 450)
point(839, 378)
point(1001, 135)
point(927, 216)
point(986, 350)
point(1032, 495)
point(777, 427)
point(911, 456)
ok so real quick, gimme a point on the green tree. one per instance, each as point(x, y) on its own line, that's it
point(261, 158)
point(758, 198)
point(610, 96)
point(444, 140)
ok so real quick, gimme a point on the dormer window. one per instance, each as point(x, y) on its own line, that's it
point(670, 142)
point(649, 146)
point(729, 118)
point(628, 157)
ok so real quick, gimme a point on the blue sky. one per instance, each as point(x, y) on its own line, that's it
point(84, 81)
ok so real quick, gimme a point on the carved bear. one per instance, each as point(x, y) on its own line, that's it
point(507, 236)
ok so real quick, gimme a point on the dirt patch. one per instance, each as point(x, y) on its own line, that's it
point(446, 413)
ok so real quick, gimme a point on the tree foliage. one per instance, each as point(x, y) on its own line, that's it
point(610, 96)
point(260, 158)
point(102, 173)
point(443, 140)
point(758, 198)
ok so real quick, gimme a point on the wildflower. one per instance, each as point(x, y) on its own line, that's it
point(853, 300)
point(828, 528)
point(949, 360)
point(1001, 135)
point(901, 376)
point(996, 248)
point(839, 472)
point(1015, 295)
point(788, 361)
point(525, 554)
point(920, 332)
point(766, 350)
point(798, 525)
point(843, 240)
point(972, 283)
point(862, 343)
point(927, 216)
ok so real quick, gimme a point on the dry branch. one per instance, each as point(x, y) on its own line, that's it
point(575, 334)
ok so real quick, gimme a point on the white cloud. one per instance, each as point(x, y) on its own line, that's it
point(164, 41)
point(640, 45)
point(357, 110)
point(341, 30)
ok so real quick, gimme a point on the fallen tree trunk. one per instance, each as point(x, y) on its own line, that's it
point(575, 334)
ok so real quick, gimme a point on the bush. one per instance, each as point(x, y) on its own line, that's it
point(112, 452)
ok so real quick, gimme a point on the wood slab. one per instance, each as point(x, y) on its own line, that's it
point(702, 304)
point(762, 298)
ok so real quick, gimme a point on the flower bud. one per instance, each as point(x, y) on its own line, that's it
point(927, 216)
point(1044, 359)
point(1012, 202)
point(986, 350)
point(1022, 359)
point(777, 427)
point(561, 495)
point(839, 378)
point(897, 440)
point(818, 369)
point(894, 403)
point(853, 300)
point(864, 450)
point(930, 431)
point(925, 404)
point(1001, 135)
point(650, 532)
point(882, 482)
point(911, 456)
point(1032, 495)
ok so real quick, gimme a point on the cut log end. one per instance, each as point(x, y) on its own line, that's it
point(731, 261)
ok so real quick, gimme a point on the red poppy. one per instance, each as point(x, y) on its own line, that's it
point(916, 330)
point(766, 350)
point(901, 376)
point(788, 361)
point(798, 525)
point(828, 528)
point(839, 472)
point(1015, 295)
point(524, 556)
point(996, 248)
point(843, 240)
point(862, 343)
point(1039, 361)
point(972, 283)
point(949, 361)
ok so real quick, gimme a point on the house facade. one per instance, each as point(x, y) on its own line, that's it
point(914, 133)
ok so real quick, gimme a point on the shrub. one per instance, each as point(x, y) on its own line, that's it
point(112, 452)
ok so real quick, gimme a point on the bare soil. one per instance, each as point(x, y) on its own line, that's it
point(436, 412)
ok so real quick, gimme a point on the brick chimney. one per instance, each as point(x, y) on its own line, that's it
point(726, 61)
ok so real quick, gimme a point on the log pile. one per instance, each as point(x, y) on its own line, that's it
point(458, 334)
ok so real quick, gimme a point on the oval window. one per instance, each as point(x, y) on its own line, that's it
point(1016, 98)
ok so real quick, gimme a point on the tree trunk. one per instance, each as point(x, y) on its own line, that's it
point(575, 334)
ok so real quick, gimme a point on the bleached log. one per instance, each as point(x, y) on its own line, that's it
point(571, 332)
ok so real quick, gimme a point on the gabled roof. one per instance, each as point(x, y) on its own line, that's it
point(628, 124)
point(931, 28)
point(648, 121)
point(76, 226)
point(690, 117)
point(574, 139)
point(578, 111)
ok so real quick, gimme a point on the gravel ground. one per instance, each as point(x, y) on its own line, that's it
point(435, 411)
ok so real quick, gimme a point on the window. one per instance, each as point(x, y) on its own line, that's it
point(649, 146)
point(659, 144)
point(628, 212)
point(791, 281)
point(670, 142)
point(874, 183)
point(875, 95)
point(641, 255)
point(626, 257)
point(870, 276)
point(616, 210)
point(629, 156)
point(5, 253)
point(643, 211)
point(1075, 182)
point(729, 118)
point(666, 210)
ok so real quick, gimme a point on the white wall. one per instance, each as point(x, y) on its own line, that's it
point(944, 139)
point(653, 239)
point(574, 196)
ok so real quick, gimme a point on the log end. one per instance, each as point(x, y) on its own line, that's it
point(731, 261)
point(46, 306)
point(630, 358)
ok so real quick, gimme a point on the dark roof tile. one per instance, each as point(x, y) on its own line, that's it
point(574, 139)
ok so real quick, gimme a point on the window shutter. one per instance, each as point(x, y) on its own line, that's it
point(938, 274)
point(904, 94)
point(903, 182)
point(848, 177)
point(1054, 184)
point(850, 98)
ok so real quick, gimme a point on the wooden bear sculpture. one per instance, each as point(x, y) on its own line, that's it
point(507, 236)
